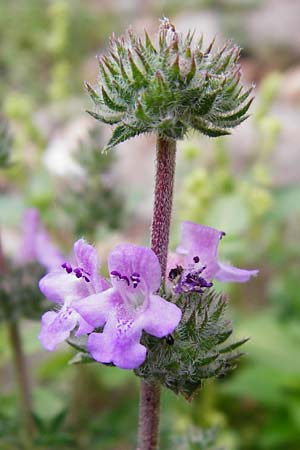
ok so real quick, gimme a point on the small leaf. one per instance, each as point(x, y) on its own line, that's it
point(109, 119)
point(140, 113)
point(121, 134)
point(209, 129)
point(236, 113)
point(209, 48)
point(148, 43)
point(175, 69)
point(111, 104)
point(192, 71)
point(93, 94)
point(206, 102)
point(81, 358)
point(136, 73)
point(233, 346)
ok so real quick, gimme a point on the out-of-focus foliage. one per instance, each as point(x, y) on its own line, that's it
point(48, 41)
point(19, 294)
point(196, 439)
point(92, 202)
point(5, 144)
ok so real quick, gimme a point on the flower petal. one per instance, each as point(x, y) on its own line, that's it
point(128, 259)
point(161, 317)
point(60, 287)
point(84, 327)
point(229, 273)
point(96, 308)
point(87, 258)
point(202, 241)
point(56, 327)
point(118, 344)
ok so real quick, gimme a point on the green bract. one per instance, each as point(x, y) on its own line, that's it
point(168, 89)
point(201, 346)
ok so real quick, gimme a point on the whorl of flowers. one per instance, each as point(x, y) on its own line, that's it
point(170, 88)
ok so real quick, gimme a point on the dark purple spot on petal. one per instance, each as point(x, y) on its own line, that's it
point(115, 273)
point(135, 283)
point(123, 277)
point(78, 272)
point(196, 259)
point(67, 266)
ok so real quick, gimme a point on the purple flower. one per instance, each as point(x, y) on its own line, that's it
point(199, 257)
point(36, 244)
point(64, 286)
point(128, 308)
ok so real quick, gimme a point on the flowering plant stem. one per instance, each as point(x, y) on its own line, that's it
point(19, 364)
point(160, 230)
point(21, 376)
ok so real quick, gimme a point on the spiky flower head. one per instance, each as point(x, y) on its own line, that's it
point(170, 88)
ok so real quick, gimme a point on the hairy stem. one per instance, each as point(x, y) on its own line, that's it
point(21, 375)
point(163, 197)
point(160, 230)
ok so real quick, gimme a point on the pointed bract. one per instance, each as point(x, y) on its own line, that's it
point(169, 89)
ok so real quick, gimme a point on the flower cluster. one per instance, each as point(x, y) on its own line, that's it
point(115, 313)
point(124, 307)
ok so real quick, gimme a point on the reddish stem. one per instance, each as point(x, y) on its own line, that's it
point(160, 231)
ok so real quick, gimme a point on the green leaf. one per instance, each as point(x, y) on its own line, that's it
point(93, 94)
point(192, 71)
point(81, 358)
point(208, 128)
point(195, 354)
point(148, 43)
point(109, 119)
point(235, 114)
point(137, 75)
point(121, 134)
point(111, 104)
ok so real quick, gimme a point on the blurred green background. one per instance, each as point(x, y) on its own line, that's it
point(247, 184)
